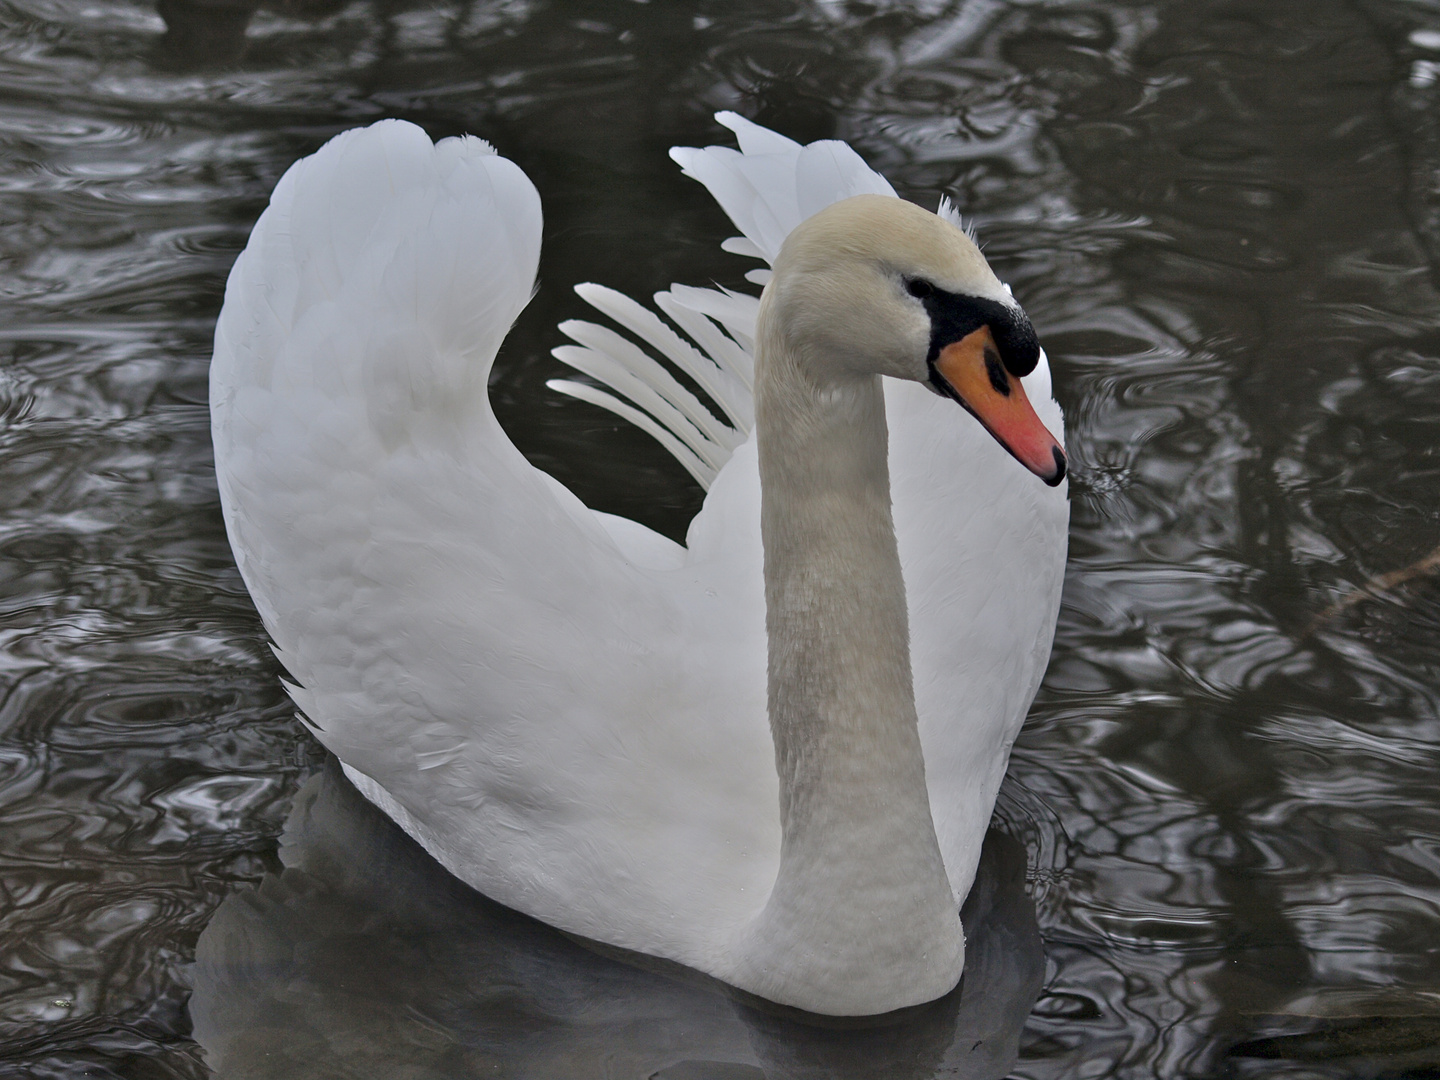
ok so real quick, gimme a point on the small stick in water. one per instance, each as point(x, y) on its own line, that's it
point(1373, 588)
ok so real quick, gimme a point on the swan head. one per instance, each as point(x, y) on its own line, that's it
point(874, 285)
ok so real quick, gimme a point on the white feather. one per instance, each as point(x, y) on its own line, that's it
point(767, 188)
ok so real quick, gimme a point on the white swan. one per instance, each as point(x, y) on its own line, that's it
point(568, 710)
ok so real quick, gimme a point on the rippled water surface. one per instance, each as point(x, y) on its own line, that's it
point(1224, 220)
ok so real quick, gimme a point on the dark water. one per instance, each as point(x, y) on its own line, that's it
point(1224, 219)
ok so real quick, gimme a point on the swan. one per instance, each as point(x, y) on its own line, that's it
point(769, 754)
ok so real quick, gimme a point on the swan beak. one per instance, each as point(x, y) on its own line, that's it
point(971, 372)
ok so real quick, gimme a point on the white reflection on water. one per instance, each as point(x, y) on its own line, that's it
point(365, 955)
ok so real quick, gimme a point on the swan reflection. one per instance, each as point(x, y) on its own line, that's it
point(365, 958)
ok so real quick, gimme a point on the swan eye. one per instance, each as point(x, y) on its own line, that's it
point(919, 289)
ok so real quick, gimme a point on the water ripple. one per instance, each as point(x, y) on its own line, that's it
point(1228, 243)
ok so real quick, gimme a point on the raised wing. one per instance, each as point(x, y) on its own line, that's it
point(517, 675)
point(768, 186)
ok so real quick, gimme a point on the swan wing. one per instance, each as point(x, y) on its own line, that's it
point(768, 186)
point(565, 708)
point(772, 183)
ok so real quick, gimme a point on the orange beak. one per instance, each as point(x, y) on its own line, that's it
point(971, 372)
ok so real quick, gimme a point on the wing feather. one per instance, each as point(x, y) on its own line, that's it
point(768, 186)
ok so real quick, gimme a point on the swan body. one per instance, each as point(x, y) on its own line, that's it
point(770, 754)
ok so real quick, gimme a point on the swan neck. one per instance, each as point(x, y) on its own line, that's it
point(861, 887)
point(840, 693)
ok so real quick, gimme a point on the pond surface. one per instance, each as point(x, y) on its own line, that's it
point(1224, 220)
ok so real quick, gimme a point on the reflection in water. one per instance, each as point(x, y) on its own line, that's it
point(1224, 220)
point(364, 958)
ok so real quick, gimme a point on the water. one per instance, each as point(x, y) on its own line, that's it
point(1224, 220)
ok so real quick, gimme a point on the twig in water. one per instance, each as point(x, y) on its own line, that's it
point(1376, 586)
